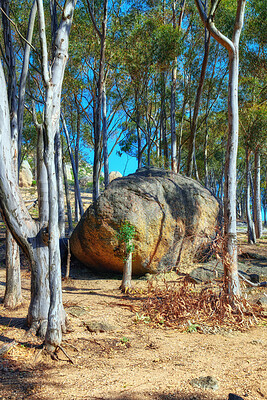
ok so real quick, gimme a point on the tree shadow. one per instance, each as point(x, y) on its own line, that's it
point(18, 381)
point(159, 396)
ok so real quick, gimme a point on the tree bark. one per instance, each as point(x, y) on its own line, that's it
point(230, 261)
point(99, 97)
point(105, 137)
point(163, 121)
point(67, 194)
point(257, 195)
point(60, 185)
point(250, 223)
point(53, 83)
point(13, 295)
point(127, 273)
point(76, 157)
point(75, 174)
point(192, 140)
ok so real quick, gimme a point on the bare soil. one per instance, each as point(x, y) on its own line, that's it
point(133, 360)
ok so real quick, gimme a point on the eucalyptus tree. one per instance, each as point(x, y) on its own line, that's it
point(253, 95)
point(232, 46)
point(13, 295)
point(39, 238)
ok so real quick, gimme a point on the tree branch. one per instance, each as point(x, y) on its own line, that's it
point(93, 20)
point(17, 30)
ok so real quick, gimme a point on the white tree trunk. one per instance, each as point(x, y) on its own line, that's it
point(53, 82)
point(13, 295)
point(230, 262)
point(127, 273)
point(250, 223)
point(257, 195)
point(230, 259)
point(39, 240)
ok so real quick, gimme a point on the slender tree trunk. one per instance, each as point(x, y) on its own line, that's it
point(23, 77)
point(76, 179)
point(60, 185)
point(99, 97)
point(250, 223)
point(163, 121)
point(230, 268)
point(76, 155)
point(206, 155)
point(181, 135)
point(13, 295)
point(173, 128)
point(105, 137)
point(67, 194)
point(13, 282)
point(257, 195)
point(173, 95)
point(192, 141)
point(127, 273)
point(138, 130)
point(230, 261)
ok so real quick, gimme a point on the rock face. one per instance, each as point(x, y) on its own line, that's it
point(114, 175)
point(25, 175)
point(84, 180)
point(173, 217)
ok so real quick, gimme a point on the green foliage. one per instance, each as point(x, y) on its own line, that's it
point(142, 318)
point(126, 235)
point(192, 327)
point(166, 46)
point(125, 340)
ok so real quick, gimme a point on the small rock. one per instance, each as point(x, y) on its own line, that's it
point(97, 327)
point(263, 301)
point(76, 311)
point(254, 278)
point(234, 397)
point(205, 382)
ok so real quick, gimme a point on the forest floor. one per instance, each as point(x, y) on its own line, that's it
point(132, 359)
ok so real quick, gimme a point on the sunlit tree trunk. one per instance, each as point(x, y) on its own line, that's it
point(257, 195)
point(102, 33)
point(230, 261)
point(105, 137)
point(250, 223)
point(13, 296)
point(39, 239)
point(192, 139)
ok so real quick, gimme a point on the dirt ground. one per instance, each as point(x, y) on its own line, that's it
point(132, 359)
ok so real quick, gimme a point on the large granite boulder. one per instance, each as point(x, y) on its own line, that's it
point(173, 217)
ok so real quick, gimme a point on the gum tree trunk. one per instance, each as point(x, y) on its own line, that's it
point(102, 32)
point(53, 82)
point(257, 195)
point(230, 261)
point(39, 239)
point(250, 223)
point(192, 140)
point(13, 296)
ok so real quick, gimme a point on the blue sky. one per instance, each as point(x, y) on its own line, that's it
point(125, 164)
